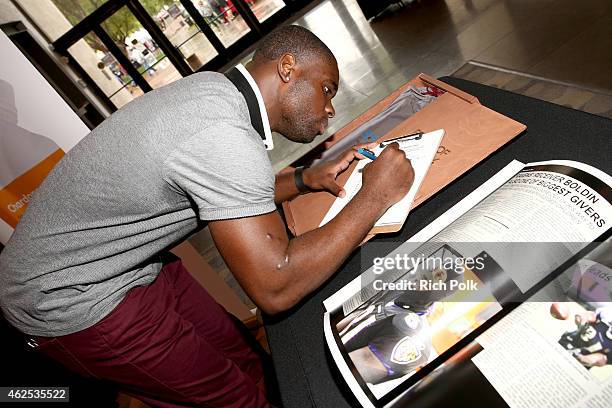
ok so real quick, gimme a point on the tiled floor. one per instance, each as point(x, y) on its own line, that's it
point(560, 93)
point(562, 40)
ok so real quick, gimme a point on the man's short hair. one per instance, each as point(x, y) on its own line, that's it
point(295, 40)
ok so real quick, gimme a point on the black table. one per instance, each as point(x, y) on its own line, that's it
point(306, 373)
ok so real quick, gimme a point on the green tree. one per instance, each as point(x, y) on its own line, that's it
point(76, 10)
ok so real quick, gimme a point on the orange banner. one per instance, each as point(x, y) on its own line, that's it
point(15, 196)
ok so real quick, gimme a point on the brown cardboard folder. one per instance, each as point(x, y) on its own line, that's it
point(473, 132)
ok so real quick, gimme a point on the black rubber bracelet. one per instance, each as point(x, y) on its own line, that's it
point(299, 180)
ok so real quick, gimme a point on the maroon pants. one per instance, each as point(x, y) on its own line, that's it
point(168, 344)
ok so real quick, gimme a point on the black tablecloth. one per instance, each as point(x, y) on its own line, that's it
point(306, 373)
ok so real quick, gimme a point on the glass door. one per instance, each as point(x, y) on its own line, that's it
point(264, 9)
point(182, 30)
point(124, 48)
point(111, 77)
point(137, 45)
point(224, 19)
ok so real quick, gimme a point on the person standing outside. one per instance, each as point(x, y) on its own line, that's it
point(207, 12)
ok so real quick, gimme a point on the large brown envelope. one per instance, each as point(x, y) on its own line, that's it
point(473, 132)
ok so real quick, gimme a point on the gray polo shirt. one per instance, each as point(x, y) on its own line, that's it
point(139, 183)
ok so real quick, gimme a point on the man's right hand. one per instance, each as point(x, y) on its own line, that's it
point(389, 177)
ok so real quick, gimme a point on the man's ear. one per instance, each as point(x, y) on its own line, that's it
point(285, 66)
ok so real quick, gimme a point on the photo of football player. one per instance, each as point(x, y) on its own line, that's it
point(591, 342)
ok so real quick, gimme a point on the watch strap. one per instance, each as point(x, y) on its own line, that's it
point(299, 180)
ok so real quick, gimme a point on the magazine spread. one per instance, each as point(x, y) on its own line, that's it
point(416, 307)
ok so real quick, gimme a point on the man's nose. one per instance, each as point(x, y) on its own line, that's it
point(329, 109)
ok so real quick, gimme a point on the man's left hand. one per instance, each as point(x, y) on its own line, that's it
point(322, 177)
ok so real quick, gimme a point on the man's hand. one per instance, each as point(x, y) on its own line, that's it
point(323, 176)
point(592, 360)
point(585, 317)
point(320, 177)
point(389, 177)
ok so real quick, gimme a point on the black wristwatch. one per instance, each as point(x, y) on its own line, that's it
point(299, 180)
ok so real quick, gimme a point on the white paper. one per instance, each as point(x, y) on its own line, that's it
point(421, 153)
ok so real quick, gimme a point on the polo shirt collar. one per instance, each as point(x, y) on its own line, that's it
point(242, 79)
